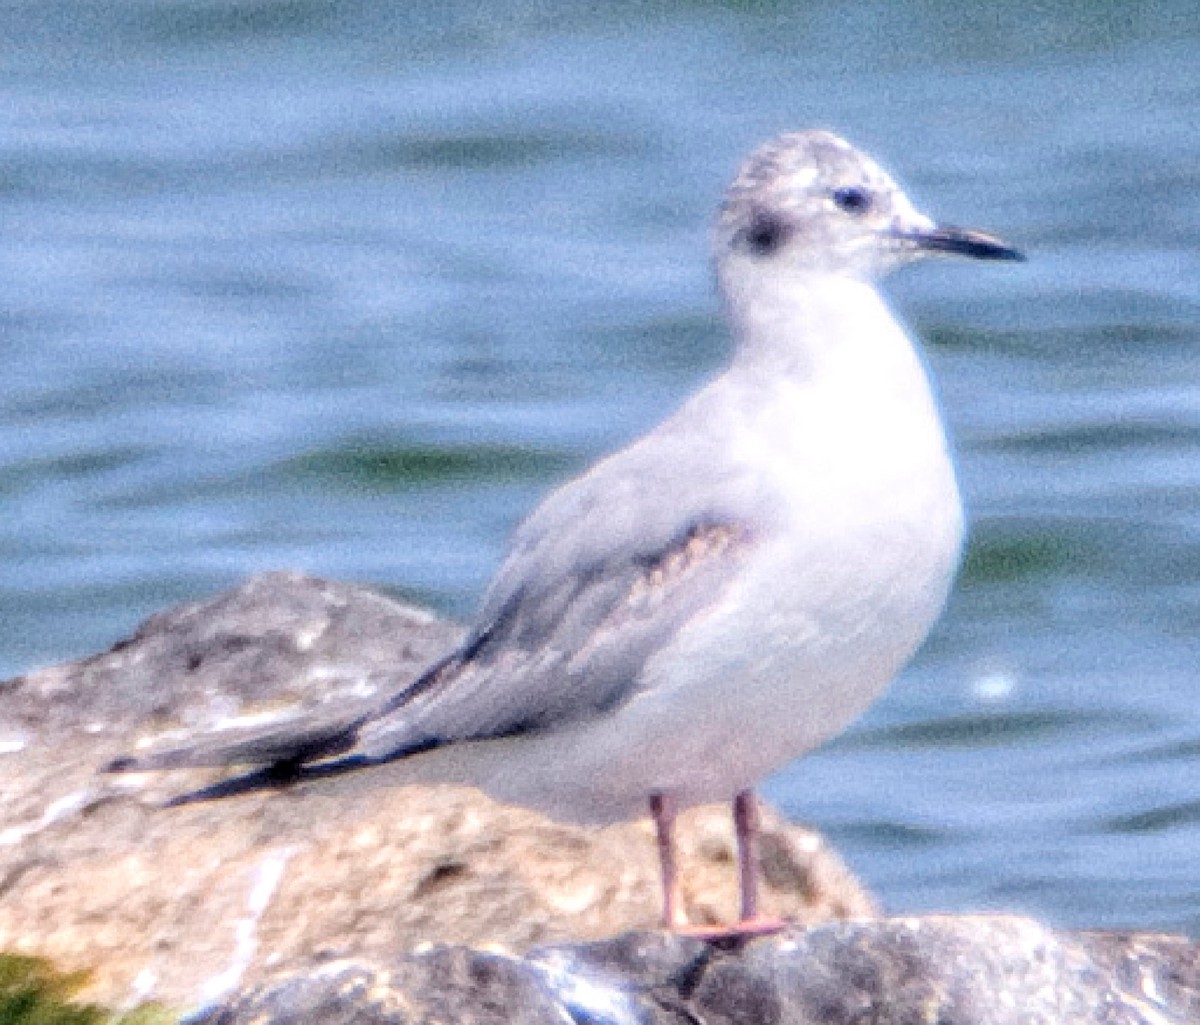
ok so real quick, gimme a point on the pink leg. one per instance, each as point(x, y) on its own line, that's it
point(745, 818)
point(662, 808)
point(745, 824)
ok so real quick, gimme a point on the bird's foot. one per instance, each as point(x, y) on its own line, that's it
point(743, 929)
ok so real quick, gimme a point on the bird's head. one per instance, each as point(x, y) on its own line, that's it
point(809, 202)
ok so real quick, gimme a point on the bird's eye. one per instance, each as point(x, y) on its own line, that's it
point(765, 234)
point(852, 199)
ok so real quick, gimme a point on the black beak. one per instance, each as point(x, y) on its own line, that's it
point(960, 241)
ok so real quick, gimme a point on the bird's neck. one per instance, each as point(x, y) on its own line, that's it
point(825, 373)
point(813, 326)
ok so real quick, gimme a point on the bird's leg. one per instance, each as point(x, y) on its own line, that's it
point(745, 825)
point(663, 809)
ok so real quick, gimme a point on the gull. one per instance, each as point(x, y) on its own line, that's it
point(725, 593)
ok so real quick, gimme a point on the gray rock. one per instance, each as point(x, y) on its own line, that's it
point(283, 906)
point(949, 971)
point(279, 640)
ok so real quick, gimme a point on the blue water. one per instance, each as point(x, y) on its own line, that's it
point(346, 287)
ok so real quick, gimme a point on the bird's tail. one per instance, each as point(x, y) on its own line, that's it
point(280, 753)
point(285, 743)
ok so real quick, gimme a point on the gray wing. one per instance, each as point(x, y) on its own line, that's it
point(573, 653)
point(291, 742)
point(602, 575)
point(598, 579)
point(552, 654)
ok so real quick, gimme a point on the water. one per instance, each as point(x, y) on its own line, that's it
point(347, 287)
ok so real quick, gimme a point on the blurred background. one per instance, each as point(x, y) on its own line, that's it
point(345, 287)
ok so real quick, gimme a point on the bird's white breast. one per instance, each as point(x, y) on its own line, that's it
point(855, 554)
point(855, 535)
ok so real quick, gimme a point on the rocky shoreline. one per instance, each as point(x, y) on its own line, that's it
point(183, 904)
point(432, 903)
point(948, 971)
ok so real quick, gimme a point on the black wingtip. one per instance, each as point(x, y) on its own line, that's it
point(279, 776)
point(272, 777)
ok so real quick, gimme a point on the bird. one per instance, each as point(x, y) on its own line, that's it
point(725, 593)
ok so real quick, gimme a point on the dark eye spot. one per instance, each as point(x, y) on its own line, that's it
point(765, 234)
point(852, 199)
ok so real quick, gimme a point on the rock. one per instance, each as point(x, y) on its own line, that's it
point(433, 904)
point(278, 640)
point(951, 971)
point(183, 905)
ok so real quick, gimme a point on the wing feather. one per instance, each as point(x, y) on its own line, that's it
point(516, 677)
point(598, 579)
